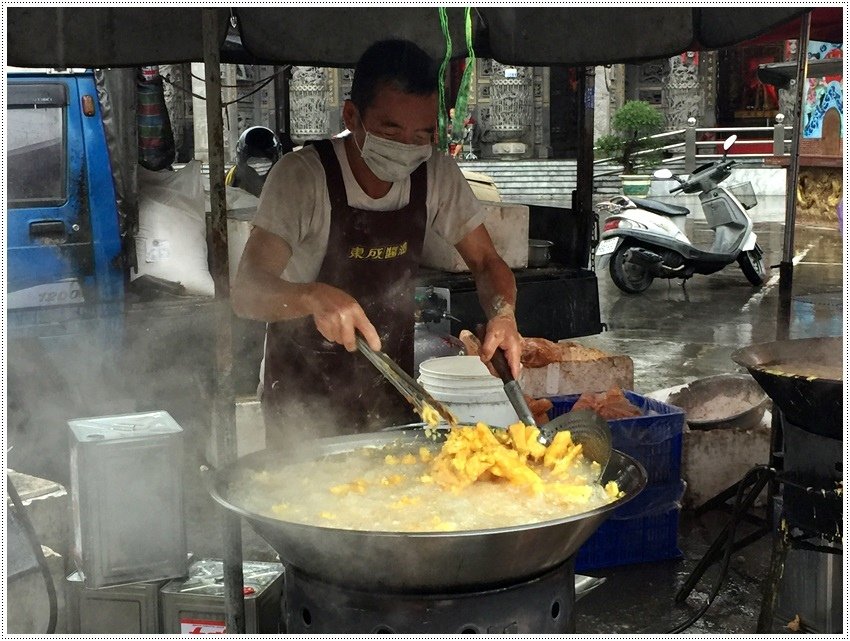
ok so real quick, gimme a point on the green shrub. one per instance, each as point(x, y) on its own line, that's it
point(634, 121)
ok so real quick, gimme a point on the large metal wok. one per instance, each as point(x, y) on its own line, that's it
point(437, 562)
point(811, 403)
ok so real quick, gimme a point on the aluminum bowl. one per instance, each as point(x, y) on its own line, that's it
point(725, 401)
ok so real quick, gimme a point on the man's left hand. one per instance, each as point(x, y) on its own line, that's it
point(497, 293)
point(502, 333)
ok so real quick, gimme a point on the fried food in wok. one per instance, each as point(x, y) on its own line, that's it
point(478, 478)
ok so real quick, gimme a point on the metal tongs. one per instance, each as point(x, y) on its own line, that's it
point(412, 391)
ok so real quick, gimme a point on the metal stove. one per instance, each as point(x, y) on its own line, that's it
point(808, 539)
point(805, 577)
point(543, 605)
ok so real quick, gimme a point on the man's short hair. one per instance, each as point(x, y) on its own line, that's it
point(398, 63)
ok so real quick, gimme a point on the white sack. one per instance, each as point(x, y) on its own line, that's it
point(171, 243)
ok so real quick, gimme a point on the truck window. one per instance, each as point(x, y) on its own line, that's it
point(35, 135)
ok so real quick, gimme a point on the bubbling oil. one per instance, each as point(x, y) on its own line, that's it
point(404, 487)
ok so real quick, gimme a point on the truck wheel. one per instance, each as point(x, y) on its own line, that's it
point(752, 264)
point(629, 277)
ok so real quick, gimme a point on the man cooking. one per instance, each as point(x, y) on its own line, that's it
point(336, 246)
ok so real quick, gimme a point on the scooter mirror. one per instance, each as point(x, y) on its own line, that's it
point(727, 144)
point(663, 174)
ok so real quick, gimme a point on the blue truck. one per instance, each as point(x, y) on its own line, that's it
point(63, 238)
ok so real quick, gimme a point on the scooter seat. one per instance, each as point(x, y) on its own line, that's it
point(661, 208)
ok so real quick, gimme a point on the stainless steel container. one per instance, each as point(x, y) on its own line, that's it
point(812, 584)
point(813, 588)
point(539, 252)
point(124, 609)
point(127, 498)
point(195, 605)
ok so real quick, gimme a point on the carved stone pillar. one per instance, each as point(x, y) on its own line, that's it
point(788, 97)
point(646, 81)
point(708, 88)
point(601, 101)
point(179, 105)
point(681, 96)
point(343, 79)
point(541, 107)
point(308, 95)
point(481, 111)
point(614, 85)
point(506, 108)
point(510, 101)
point(258, 108)
point(787, 102)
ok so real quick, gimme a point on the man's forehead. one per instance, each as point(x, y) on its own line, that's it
point(390, 96)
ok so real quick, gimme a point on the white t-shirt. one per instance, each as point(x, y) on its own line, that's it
point(295, 205)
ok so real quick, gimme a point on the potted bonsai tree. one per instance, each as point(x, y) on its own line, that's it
point(631, 125)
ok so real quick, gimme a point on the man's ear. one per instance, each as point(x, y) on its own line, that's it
point(350, 115)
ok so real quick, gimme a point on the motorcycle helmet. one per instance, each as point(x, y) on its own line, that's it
point(258, 142)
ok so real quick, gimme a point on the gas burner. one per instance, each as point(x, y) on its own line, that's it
point(543, 605)
point(811, 477)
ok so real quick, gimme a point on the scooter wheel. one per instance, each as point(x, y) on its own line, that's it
point(752, 264)
point(629, 277)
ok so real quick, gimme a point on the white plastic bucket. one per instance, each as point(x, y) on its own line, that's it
point(466, 387)
point(474, 387)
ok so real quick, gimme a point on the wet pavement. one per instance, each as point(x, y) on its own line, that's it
point(675, 335)
point(640, 598)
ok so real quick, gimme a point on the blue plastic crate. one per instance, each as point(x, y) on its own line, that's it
point(661, 497)
point(640, 540)
point(646, 529)
point(654, 439)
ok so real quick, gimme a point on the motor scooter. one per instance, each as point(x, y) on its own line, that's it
point(643, 239)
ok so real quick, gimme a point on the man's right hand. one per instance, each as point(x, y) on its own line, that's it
point(339, 317)
point(260, 293)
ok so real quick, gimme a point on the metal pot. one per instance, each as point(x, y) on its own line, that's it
point(539, 252)
point(428, 562)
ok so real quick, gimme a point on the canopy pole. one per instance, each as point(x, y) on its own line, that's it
point(786, 277)
point(281, 100)
point(223, 416)
point(583, 195)
point(786, 267)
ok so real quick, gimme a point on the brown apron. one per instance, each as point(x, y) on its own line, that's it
point(312, 387)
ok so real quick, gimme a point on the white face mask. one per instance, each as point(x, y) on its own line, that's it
point(389, 160)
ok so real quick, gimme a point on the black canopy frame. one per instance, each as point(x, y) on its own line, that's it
point(119, 36)
point(129, 36)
